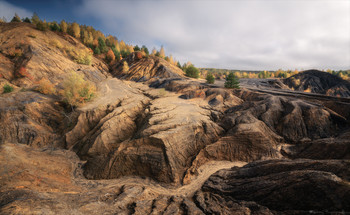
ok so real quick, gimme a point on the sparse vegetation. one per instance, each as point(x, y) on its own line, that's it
point(231, 81)
point(7, 88)
point(83, 58)
point(46, 87)
point(76, 90)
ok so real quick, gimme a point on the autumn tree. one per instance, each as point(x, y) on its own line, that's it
point(162, 52)
point(35, 18)
point(110, 56)
point(76, 90)
point(154, 52)
point(125, 67)
point(75, 30)
point(145, 49)
point(231, 81)
point(64, 26)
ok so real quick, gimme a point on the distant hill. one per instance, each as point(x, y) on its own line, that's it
point(319, 82)
point(142, 68)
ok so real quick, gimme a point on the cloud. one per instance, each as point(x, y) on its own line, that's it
point(240, 34)
point(8, 10)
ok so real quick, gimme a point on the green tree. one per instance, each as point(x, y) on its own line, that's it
point(192, 71)
point(41, 26)
point(137, 48)
point(16, 18)
point(54, 26)
point(27, 20)
point(231, 81)
point(102, 45)
point(210, 78)
point(97, 50)
point(7, 88)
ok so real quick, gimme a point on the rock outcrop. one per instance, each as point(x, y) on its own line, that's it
point(293, 187)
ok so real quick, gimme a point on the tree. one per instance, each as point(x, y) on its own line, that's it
point(76, 90)
point(110, 56)
point(137, 48)
point(16, 18)
point(192, 72)
point(41, 26)
point(125, 67)
point(210, 78)
point(75, 30)
point(154, 52)
point(63, 26)
point(145, 49)
point(162, 52)
point(27, 20)
point(54, 26)
point(231, 81)
point(102, 45)
point(35, 18)
point(97, 50)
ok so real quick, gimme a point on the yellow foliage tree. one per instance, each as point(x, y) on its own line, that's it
point(162, 52)
point(63, 26)
point(76, 90)
point(125, 66)
point(75, 30)
point(154, 52)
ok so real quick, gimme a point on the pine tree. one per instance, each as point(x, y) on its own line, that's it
point(27, 20)
point(210, 78)
point(102, 45)
point(231, 81)
point(137, 48)
point(192, 71)
point(16, 18)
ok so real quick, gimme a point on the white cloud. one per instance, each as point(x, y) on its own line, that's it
point(8, 10)
point(241, 34)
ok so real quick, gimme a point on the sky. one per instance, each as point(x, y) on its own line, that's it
point(228, 34)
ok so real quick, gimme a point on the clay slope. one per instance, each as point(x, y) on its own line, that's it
point(145, 68)
point(43, 55)
point(27, 116)
point(319, 82)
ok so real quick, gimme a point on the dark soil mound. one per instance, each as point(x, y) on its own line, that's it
point(319, 82)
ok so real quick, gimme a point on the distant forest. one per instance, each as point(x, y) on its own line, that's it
point(222, 73)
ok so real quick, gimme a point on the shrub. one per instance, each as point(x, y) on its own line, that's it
point(76, 90)
point(46, 87)
point(56, 43)
point(41, 26)
point(7, 88)
point(192, 72)
point(125, 66)
point(23, 73)
point(210, 78)
point(231, 81)
point(83, 59)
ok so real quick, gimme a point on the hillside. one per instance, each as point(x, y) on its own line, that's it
point(319, 82)
point(152, 141)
